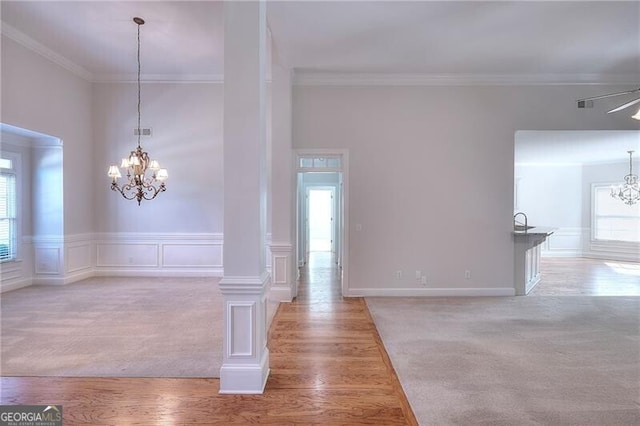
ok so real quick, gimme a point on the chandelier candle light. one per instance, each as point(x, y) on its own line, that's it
point(629, 191)
point(139, 186)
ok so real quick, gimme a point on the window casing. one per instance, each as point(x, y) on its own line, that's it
point(612, 220)
point(8, 210)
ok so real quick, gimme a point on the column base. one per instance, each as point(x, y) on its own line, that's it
point(281, 294)
point(245, 379)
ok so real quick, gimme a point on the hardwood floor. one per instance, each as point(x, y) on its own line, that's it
point(579, 276)
point(328, 366)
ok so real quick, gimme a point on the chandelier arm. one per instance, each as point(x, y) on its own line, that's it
point(152, 191)
point(121, 190)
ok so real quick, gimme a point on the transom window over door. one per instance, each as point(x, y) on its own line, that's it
point(8, 228)
point(319, 162)
point(612, 219)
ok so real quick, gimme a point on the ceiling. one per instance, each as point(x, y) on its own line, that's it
point(575, 147)
point(572, 41)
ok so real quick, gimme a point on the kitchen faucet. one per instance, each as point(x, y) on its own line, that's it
point(515, 222)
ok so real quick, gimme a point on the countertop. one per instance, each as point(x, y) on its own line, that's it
point(536, 230)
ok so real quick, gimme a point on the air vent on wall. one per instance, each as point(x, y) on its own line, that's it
point(143, 132)
point(585, 104)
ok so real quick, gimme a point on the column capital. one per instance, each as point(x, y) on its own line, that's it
point(245, 284)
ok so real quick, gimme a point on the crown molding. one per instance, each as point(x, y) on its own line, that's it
point(304, 78)
point(37, 47)
point(404, 79)
point(159, 78)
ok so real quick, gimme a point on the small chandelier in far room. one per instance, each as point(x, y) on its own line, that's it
point(140, 185)
point(629, 191)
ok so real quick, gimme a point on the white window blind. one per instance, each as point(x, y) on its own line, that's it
point(612, 219)
point(7, 216)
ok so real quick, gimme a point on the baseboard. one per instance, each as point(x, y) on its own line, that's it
point(622, 257)
point(15, 285)
point(245, 379)
point(190, 273)
point(431, 292)
point(78, 276)
point(52, 280)
point(280, 294)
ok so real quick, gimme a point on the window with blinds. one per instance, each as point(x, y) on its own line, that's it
point(612, 219)
point(7, 211)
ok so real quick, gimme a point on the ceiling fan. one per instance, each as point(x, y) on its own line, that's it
point(582, 103)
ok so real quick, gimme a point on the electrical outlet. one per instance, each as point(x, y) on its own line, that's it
point(418, 275)
point(398, 274)
point(423, 280)
point(467, 274)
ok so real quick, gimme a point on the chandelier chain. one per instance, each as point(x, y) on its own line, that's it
point(139, 131)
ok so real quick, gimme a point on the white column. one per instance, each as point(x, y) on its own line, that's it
point(283, 267)
point(245, 283)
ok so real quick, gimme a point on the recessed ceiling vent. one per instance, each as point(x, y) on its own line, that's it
point(146, 132)
point(585, 104)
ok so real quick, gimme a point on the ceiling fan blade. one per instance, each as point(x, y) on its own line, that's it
point(609, 95)
point(628, 104)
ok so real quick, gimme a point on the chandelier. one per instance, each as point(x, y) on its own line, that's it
point(145, 178)
point(629, 191)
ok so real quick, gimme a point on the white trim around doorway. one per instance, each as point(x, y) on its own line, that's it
point(343, 154)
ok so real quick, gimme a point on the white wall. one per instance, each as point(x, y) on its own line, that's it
point(550, 195)
point(431, 175)
point(41, 96)
point(187, 140)
point(180, 230)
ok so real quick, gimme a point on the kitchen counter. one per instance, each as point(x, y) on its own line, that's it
point(527, 249)
point(536, 230)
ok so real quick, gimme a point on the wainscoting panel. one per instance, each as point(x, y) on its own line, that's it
point(192, 255)
point(19, 273)
point(127, 254)
point(280, 270)
point(79, 257)
point(576, 242)
point(614, 250)
point(241, 317)
point(564, 242)
point(159, 254)
point(47, 260)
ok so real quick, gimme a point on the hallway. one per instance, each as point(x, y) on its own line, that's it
point(328, 365)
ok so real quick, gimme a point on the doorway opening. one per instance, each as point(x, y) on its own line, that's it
point(321, 208)
point(320, 227)
point(594, 249)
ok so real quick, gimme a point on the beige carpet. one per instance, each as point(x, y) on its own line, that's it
point(113, 327)
point(516, 361)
